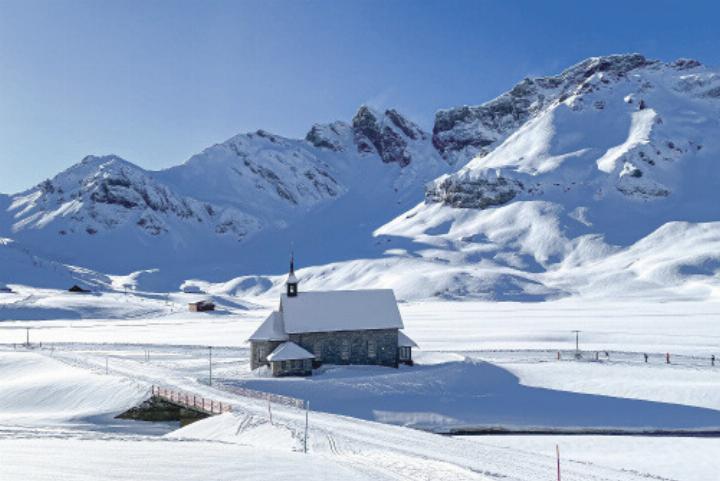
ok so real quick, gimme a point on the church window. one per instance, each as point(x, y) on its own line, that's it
point(372, 349)
point(345, 350)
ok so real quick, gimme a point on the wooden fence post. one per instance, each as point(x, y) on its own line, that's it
point(307, 410)
point(557, 453)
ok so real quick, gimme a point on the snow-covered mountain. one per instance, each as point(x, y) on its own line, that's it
point(197, 217)
point(581, 183)
point(585, 193)
point(601, 181)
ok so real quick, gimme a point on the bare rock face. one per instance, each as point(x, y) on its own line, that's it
point(328, 136)
point(477, 193)
point(388, 135)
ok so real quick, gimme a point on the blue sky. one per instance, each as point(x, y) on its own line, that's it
point(157, 81)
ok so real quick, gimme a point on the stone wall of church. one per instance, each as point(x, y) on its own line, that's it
point(259, 351)
point(377, 346)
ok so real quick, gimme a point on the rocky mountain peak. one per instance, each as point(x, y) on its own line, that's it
point(617, 65)
point(334, 136)
point(461, 133)
point(617, 117)
point(388, 134)
point(104, 193)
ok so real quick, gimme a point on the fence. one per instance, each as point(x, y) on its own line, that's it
point(191, 401)
point(264, 396)
point(618, 357)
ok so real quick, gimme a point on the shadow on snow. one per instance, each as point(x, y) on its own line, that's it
point(473, 394)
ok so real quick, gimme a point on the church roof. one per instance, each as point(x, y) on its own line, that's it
point(405, 341)
point(289, 351)
point(271, 329)
point(327, 311)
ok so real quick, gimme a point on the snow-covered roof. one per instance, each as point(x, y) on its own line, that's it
point(271, 329)
point(405, 341)
point(289, 351)
point(291, 279)
point(319, 311)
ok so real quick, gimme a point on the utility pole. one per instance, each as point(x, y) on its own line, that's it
point(27, 337)
point(577, 344)
point(210, 365)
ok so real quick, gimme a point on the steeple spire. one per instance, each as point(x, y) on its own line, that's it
point(292, 281)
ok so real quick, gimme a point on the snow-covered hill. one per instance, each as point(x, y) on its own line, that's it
point(585, 183)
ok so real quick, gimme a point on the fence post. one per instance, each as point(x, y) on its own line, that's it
point(307, 409)
point(557, 453)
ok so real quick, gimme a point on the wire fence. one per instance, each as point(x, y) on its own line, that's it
point(601, 356)
point(263, 396)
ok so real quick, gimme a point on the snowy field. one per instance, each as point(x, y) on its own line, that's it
point(662, 458)
point(481, 365)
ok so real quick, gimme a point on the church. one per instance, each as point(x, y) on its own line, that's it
point(330, 327)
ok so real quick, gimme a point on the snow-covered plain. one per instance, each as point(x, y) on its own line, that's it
point(338, 446)
point(664, 458)
point(59, 398)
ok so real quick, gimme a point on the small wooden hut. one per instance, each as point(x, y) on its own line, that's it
point(201, 306)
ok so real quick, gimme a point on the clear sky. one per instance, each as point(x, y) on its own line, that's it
point(157, 81)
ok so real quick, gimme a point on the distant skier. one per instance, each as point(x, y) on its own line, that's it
point(712, 360)
point(646, 357)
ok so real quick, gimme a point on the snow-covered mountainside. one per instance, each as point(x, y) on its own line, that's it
point(619, 126)
point(581, 183)
point(102, 193)
point(203, 211)
point(20, 266)
point(585, 195)
point(601, 181)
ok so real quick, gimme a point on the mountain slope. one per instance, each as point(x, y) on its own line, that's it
point(584, 183)
point(601, 181)
point(633, 138)
point(193, 218)
point(613, 152)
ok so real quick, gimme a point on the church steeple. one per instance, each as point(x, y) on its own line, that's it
point(292, 281)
